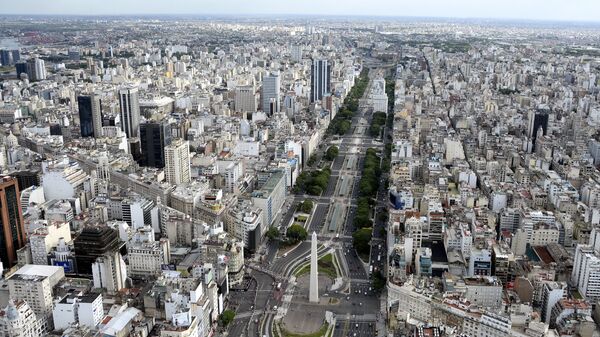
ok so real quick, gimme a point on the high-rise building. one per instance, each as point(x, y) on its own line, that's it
point(270, 93)
point(6, 58)
point(586, 267)
point(109, 272)
point(92, 243)
point(12, 236)
point(296, 52)
point(26, 178)
point(35, 285)
point(245, 99)
point(320, 79)
point(90, 116)
point(154, 136)
point(536, 120)
point(21, 68)
point(130, 111)
point(245, 224)
point(552, 292)
point(9, 57)
point(36, 69)
point(177, 162)
point(270, 197)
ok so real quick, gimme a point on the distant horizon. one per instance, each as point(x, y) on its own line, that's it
point(294, 15)
point(586, 11)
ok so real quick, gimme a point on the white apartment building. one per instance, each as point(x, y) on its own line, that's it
point(232, 171)
point(484, 291)
point(147, 258)
point(270, 197)
point(245, 224)
point(109, 272)
point(46, 237)
point(19, 320)
point(246, 99)
point(76, 308)
point(410, 302)
point(177, 162)
point(34, 284)
point(543, 234)
point(459, 238)
point(378, 97)
point(414, 229)
point(487, 325)
point(552, 292)
point(586, 272)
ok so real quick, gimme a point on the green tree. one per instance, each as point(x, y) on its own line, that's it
point(361, 239)
point(332, 152)
point(383, 216)
point(312, 160)
point(273, 233)
point(296, 233)
point(227, 317)
point(314, 190)
point(378, 280)
point(306, 206)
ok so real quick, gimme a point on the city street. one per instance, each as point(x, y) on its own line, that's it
point(360, 299)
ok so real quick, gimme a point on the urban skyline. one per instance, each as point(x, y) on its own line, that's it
point(324, 174)
point(553, 10)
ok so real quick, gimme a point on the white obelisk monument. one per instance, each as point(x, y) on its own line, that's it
point(313, 291)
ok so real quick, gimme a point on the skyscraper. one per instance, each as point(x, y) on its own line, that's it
point(12, 236)
point(154, 136)
point(36, 69)
point(21, 68)
point(92, 243)
point(90, 116)
point(6, 57)
point(177, 162)
point(270, 93)
point(320, 79)
point(130, 111)
point(537, 119)
point(296, 53)
point(245, 99)
point(9, 57)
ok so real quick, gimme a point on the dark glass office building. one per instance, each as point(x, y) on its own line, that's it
point(26, 178)
point(320, 80)
point(12, 236)
point(154, 136)
point(22, 68)
point(86, 119)
point(93, 242)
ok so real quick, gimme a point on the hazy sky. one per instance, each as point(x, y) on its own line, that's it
point(571, 10)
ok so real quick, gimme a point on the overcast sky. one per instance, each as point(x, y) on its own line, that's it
point(568, 10)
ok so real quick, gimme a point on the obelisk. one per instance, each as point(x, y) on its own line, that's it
point(313, 291)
